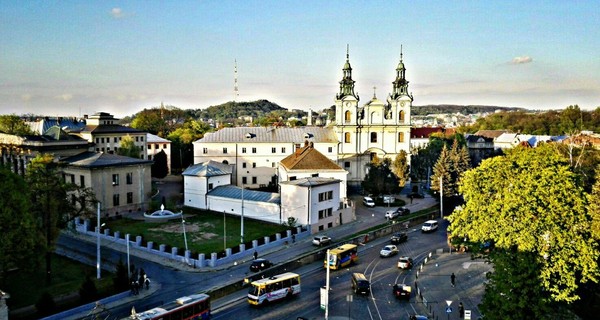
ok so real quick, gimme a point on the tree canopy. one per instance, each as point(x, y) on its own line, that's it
point(380, 179)
point(13, 124)
point(128, 148)
point(532, 207)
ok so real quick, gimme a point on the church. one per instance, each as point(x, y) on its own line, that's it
point(358, 134)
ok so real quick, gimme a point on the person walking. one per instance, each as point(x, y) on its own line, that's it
point(461, 310)
point(255, 255)
point(452, 279)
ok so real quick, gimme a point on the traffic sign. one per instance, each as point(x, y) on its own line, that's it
point(449, 310)
point(467, 314)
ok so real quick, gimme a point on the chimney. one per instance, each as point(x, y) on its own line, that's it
point(309, 120)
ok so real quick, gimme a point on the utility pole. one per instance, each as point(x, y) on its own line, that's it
point(98, 243)
point(242, 219)
point(441, 198)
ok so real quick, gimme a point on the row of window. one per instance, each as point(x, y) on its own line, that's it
point(348, 116)
point(128, 177)
point(324, 196)
point(325, 213)
point(118, 139)
point(245, 180)
point(117, 200)
point(157, 146)
point(273, 149)
point(347, 136)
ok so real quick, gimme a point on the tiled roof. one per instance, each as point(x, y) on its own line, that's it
point(490, 133)
point(100, 159)
point(207, 169)
point(424, 132)
point(235, 192)
point(309, 158)
point(311, 181)
point(271, 134)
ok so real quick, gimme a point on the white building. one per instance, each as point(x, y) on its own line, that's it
point(357, 135)
point(156, 144)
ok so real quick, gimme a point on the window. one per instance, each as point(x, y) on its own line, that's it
point(164, 146)
point(282, 149)
point(314, 175)
point(137, 139)
point(102, 140)
point(243, 150)
point(115, 140)
point(253, 164)
point(149, 147)
point(142, 139)
point(274, 164)
point(347, 164)
point(115, 179)
point(142, 148)
point(273, 150)
point(330, 149)
point(324, 196)
point(129, 197)
point(156, 146)
point(292, 178)
point(401, 116)
point(253, 180)
point(253, 150)
point(129, 177)
point(347, 116)
point(243, 164)
point(244, 180)
point(373, 136)
point(115, 199)
point(97, 149)
point(149, 157)
point(205, 150)
point(400, 136)
point(224, 150)
point(347, 137)
point(210, 186)
point(82, 181)
point(325, 213)
point(97, 140)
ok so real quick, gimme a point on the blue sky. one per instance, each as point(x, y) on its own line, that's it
point(80, 57)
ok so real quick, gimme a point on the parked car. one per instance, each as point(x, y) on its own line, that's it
point(429, 226)
point(260, 265)
point(402, 211)
point(399, 238)
point(388, 251)
point(405, 262)
point(401, 291)
point(368, 201)
point(321, 240)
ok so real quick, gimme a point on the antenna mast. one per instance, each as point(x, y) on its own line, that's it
point(235, 82)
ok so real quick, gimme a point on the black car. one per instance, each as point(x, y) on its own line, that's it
point(401, 291)
point(416, 195)
point(399, 238)
point(260, 264)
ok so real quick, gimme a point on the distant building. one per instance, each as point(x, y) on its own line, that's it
point(103, 130)
point(156, 144)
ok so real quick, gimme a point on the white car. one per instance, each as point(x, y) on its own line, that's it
point(388, 251)
point(321, 240)
point(429, 226)
point(368, 201)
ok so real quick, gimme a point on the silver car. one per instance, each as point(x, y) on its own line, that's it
point(388, 251)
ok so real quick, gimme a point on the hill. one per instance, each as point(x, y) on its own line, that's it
point(233, 110)
point(463, 109)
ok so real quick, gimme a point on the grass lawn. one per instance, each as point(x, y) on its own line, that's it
point(68, 276)
point(204, 231)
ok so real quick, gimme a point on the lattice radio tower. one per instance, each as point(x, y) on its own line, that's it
point(235, 82)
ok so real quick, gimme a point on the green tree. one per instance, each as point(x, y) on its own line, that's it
point(50, 202)
point(88, 291)
point(380, 179)
point(443, 169)
point(20, 240)
point(160, 168)
point(400, 168)
point(128, 148)
point(531, 205)
point(182, 150)
point(13, 124)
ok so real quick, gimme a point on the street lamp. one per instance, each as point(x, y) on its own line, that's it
point(242, 219)
point(98, 226)
point(224, 232)
point(184, 237)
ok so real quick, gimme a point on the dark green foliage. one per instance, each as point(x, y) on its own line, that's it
point(88, 291)
point(121, 278)
point(380, 179)
point(45, 305)
point(449, 108)
point(231, 110)
point(160, 167)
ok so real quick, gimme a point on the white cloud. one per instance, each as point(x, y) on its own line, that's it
point(117, 13)
point(521, 60)
point(65, 97)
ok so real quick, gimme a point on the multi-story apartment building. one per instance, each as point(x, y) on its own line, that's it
point(103, 130)
point(357, 135)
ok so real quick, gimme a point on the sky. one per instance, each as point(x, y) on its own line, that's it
point(71, 58)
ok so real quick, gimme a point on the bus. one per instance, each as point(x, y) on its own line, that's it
point(196, 306)
point(285, 285)
point(341, 256)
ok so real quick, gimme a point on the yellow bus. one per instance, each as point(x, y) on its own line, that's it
point(285, 285)
point(341, 256)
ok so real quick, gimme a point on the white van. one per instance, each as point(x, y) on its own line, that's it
point(429, 226)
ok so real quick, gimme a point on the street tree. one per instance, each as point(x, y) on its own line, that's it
point(160, 168)
point(20, 240)
point(443, 170)
point(532, 207)
point(400, 168)
point(379, 178)
point(13, 124)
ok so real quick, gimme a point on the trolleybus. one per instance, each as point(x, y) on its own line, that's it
point(341, 256)
point(196, 306)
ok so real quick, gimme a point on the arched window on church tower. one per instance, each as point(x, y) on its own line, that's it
point(400, 136)
point(401, 116)
point(347, 116)
point(373, 115)
point(373, 136)
point(347, 137)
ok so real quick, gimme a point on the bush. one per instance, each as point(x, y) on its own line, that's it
point(121, 278)
point(88, 291)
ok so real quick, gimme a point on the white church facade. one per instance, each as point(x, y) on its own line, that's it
point(377, 128)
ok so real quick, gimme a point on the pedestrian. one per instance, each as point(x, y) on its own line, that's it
point(461, 310)
point(255, 255)
point(147, 283)
point(452, 279)
point(293, 238)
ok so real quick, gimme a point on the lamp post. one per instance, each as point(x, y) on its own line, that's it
point(98, 243)
point(184, 236)
point(242, 218)
point(224, 232)
point(441, 198)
